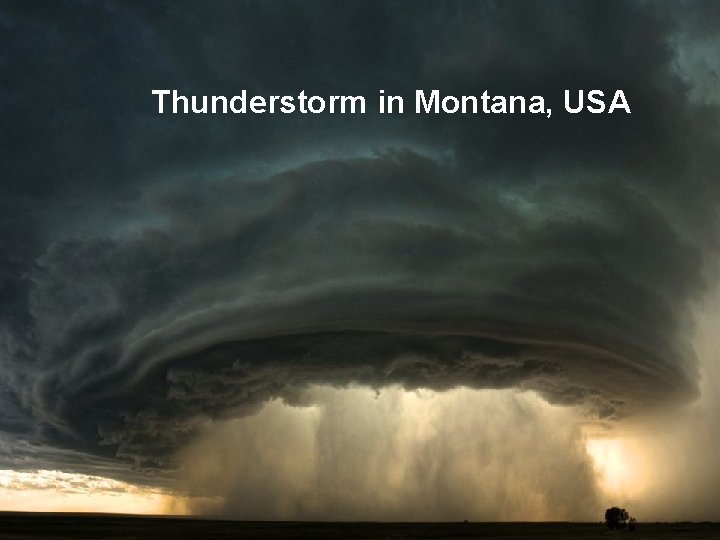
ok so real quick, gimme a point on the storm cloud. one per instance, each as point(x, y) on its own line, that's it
point(158, 272)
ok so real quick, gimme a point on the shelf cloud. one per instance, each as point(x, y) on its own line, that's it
point(161, 272)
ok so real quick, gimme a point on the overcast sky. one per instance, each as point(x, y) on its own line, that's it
point(164, 277)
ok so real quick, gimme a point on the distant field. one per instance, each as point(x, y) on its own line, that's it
point(61, 526)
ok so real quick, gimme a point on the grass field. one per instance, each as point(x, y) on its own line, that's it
point(61, 526)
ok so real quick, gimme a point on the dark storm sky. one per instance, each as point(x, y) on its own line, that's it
point(156, 270)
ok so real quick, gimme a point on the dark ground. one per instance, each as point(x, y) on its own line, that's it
point(60, 526)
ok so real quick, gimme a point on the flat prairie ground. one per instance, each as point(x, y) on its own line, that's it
point(96, 526)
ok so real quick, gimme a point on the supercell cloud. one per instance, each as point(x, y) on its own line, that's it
point(160, 271)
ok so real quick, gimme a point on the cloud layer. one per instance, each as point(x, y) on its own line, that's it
point(160, 271)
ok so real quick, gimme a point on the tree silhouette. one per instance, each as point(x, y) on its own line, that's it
point(616, 518)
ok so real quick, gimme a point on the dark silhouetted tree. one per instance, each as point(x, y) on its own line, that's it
point(616, 518)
